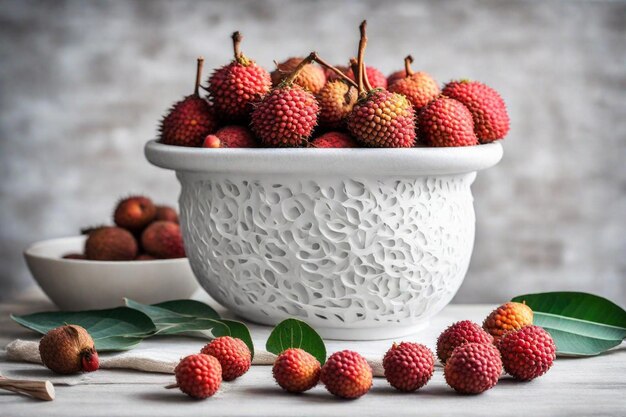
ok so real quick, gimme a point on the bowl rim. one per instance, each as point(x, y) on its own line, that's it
point(326, 162)
point(28, 253)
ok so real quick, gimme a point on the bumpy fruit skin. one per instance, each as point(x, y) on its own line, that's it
point(419, 87)
point(110, 244)
point(232, 353)
point(166, 213)
point(383, 119)
point(212, 141)
point(296, 370)
point(408, 366)
point(134, 213)
point(446, 122)
point(234, 87)
point(236, 137)
point(457, 334)
point(199, 375)
point(491, 119)
point(285, 117)
point(346, 374)
point(188, 122)
point(395, 76)
point(163, 239)
point(336, 101)
point(376, 78)
point(68, 349)
point(312, 78)
point(473, 368)
point(334, 140)
point(509, 316)
point(527, 353)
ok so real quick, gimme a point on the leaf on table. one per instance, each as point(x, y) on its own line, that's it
point(293, 333)
point(114, 329)
point(581, 324)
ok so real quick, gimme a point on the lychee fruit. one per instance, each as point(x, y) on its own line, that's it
point(75, 256)
point(376, 78)
point(346, 374)
point(68, 349)
point(134, 213)
point(296, 370)
point(395, 76)
point(446, 122)
point(145, 257)
point(332, 75)
point(163, 239)
point(212, 141)
point(166, 213)
point(334, 140)
point(458, 334)
point(509, 316)
point(312, 77)
point(198, 376)
point(234, 87)
point(473, 368)
point(418, 87)
point(236, 137)
point(110, 244)
point(190, 120)
point(491, 119)
point(232, 353)
point(287, 115)
point(527, 353)
point(336, 100)
point(408, 366)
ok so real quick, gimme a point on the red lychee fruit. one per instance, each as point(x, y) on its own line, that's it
point(408, 366)
point(395, 76)
point(446, 122)
point(166, 213)
point(163, 240)
point(509, 316)
point(134, 213)
point(234, 87)
point(145, 257)
point(287, 115)
point(418, 87)
point(232, 353)
point(346, 374)
point(198, 376)
point(68, 349)
point(473, 368)
point(527, 353)
point(212, 141)
point(312, 77)
point(296, 370)
point(110, 244)
point(336, 100)
point(334, 140)
point(376, 78)
point(380, 118)
point(491, 119)
point(236, 137)
point(458, 334)
point(75, 256)
point(190, 120)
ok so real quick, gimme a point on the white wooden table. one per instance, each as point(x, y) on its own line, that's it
point(573, 387)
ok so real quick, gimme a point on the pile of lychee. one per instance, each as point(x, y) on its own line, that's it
point(143, 231)
point(306, 102)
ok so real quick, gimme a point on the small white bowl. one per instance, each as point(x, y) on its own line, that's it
point(84, 285)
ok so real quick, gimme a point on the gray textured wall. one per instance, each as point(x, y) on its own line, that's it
point(84, 83)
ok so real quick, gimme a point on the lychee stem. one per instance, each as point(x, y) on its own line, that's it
point(335, 70)
point(407, 65)
point(366, 80)
point(236, 37)
point(196, 91)
point(294, 74)
point(354, 65)
point(361, 52)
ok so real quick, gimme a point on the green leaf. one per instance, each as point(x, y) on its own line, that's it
point(114, 329)
point(581, 324)
point(235, 329)
point(293, 333)
point(189, 308)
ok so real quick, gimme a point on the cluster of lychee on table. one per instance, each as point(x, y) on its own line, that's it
point(143, 231)
point(303, 104)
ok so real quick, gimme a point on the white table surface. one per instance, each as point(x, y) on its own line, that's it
point(593, 386)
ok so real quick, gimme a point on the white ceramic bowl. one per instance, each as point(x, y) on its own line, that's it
point(360, 243)
point(84, 285)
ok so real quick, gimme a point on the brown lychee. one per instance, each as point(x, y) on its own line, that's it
point(111, 244)
point(166, 213)
point(68, 349)
point(134, 213)
point(163, 240)
point(312, 77)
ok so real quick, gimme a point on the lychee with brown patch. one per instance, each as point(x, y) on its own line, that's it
point(68, 349)
point(163, 240)
point(110, 244)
